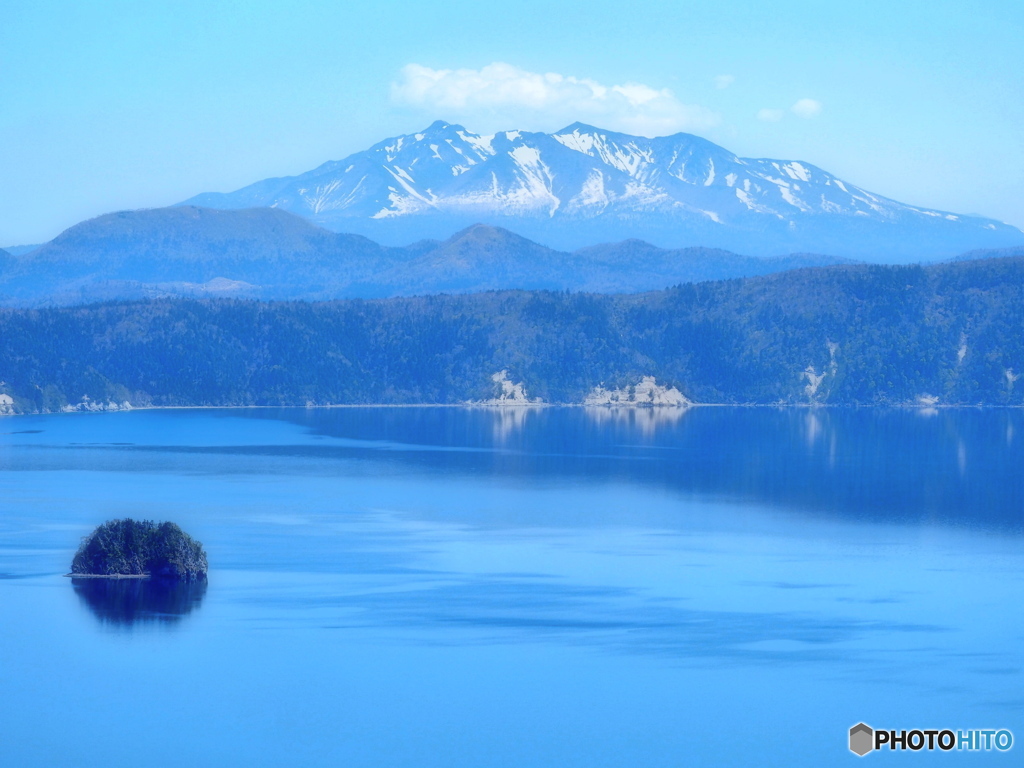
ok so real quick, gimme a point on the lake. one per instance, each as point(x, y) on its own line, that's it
point(514, 587)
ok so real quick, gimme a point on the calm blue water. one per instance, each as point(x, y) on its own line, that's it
point(558, 587)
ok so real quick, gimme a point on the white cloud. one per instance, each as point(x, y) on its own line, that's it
point(504, 96)
point(770, 115)
point(806, 108)
point(723, 81)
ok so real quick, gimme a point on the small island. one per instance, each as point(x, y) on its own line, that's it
point(140, 549)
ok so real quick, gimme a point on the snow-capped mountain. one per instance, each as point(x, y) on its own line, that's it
point(583, 185)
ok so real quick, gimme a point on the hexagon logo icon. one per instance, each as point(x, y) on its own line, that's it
point(861, 739)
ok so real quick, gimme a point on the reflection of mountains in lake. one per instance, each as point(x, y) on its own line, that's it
point(125, 602)
point(955, 466)
point(961, 466)
point(508, 420)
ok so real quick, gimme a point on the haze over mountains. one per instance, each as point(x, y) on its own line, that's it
point(608, 198)
point(583, 185)
point(270, 254)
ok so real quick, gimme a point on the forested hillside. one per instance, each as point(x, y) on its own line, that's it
point(948, 334)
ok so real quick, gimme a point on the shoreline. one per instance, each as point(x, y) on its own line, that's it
point(921, 408)
point(108, 576)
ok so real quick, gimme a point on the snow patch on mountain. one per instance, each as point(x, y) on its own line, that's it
point(482, 144)
point(592, 195)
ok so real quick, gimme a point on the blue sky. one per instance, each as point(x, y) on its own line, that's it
point(114, 105)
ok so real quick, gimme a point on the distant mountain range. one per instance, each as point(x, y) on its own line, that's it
point(271, 254)
point(19, 250)
point(583, 185)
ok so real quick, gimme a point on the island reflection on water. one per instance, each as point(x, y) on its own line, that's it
point(127, 602)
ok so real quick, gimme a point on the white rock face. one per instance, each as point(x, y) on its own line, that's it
point(90, 405)
point(508, 392)
point(6, 405)
point(815, 379)
point(647, 392)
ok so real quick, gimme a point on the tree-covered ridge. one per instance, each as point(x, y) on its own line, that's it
point(948, 333)
point(140, 547)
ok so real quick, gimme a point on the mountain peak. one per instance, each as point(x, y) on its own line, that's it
point(486, 232)
point(580, 128)
point(442, 126)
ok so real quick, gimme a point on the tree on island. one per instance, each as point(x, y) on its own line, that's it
point(140, 548)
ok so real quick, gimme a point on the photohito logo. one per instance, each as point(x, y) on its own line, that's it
point(864, 739)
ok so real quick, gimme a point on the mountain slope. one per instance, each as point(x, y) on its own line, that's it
point(270, 254)
point(583, 185)
point(190, 251)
